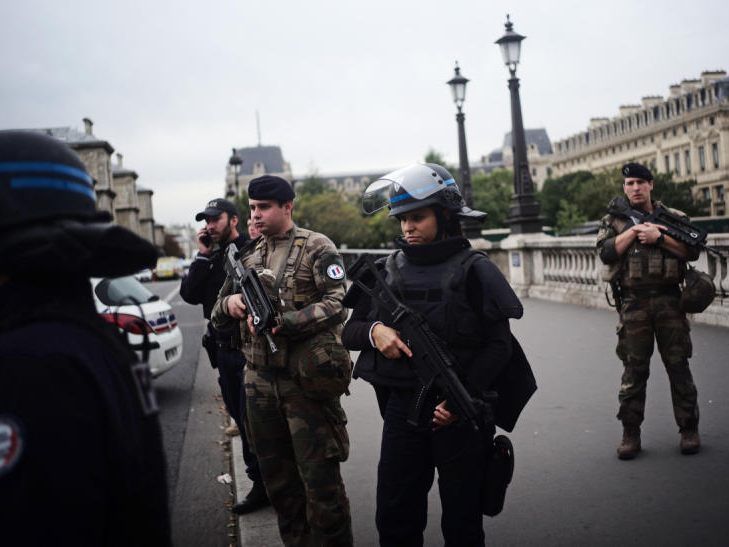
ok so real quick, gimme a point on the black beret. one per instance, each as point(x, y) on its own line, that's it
point(271, 187)
point(637, 171)
point(215, 207)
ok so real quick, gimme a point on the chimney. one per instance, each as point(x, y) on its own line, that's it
point(88, 126)
point(119, 160)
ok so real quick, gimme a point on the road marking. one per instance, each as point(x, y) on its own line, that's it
point(172, 293)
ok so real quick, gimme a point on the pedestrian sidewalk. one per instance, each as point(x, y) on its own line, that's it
point(255, 529)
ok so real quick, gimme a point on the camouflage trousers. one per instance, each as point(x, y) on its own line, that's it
point(299, 442)
point(643, 320)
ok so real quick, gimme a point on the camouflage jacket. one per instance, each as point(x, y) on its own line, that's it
point(308, 297)
point(611, 226)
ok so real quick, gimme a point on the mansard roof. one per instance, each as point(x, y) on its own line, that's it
point(270, 156)
point(538, 137)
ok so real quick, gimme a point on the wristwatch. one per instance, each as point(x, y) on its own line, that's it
point(661, 239)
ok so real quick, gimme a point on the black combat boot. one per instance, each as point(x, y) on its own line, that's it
point(256, 499)
point(690, 441)
point(630, 445)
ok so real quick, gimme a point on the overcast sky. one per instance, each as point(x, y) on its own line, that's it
point(340, 86)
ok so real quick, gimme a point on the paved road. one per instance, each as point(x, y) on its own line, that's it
point(569, 487)
point(192, 427)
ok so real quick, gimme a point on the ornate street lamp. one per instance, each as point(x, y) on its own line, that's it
point(524, 210)
point(235, 162)
point(471, 227)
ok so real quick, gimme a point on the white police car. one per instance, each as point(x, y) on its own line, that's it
point(115, 301)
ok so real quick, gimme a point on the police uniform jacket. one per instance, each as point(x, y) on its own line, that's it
point(81, 457)
point(467, 302)
point(206, 276)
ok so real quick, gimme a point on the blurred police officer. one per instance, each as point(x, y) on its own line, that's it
point(201, 286)
point(296, 422)
point(648, 265)
point(81, 457)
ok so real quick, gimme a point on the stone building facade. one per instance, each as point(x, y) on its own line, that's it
point(96, 154)
point(685, 133)
point(126, 203)
point(115, 186)
point(146, 216)
point(539, 154)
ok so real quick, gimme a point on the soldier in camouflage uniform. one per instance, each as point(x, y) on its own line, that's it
point(647, 266)
point(295, 421)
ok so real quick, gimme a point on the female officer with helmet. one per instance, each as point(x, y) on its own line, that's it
point(467, 303)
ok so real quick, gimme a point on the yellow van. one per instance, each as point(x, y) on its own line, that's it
point(168, 267)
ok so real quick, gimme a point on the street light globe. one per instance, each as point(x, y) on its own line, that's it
point(458, 87)
point(234, 160)
point(510, 44)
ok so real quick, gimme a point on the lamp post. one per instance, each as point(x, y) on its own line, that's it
point(471, 227)
point(235, 162)
point(523, 215)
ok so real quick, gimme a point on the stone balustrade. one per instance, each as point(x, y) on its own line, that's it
point(567, 269)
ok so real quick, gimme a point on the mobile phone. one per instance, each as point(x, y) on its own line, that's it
point(206, 239)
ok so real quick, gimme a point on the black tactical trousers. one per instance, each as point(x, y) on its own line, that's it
point(408, 458)
point(230, 365)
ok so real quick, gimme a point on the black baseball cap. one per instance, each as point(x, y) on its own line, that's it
point(217, 206)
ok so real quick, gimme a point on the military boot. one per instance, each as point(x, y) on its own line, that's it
point(255, 499)
point(630, 445)
point(690, 441)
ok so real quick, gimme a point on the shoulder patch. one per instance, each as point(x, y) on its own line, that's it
point(332, 266)
point(11, 444)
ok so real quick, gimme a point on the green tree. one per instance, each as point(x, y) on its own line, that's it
point(492, 194)
point(593, 194)
point(557, 189)
point(329, 213)
point(312, 185)
point(678, 195)
point(569, 216)
point(433, 156)
point(171, 247)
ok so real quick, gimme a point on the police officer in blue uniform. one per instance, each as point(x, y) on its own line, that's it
point(81, 456)
point(201, 286)
point(468, 304)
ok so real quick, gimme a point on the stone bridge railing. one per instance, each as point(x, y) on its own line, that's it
point(567, 269)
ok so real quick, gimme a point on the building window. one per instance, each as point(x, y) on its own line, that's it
point(674, 131)
point(689, 102)
point(687, 161)
point(719, 200)
point(677, 163)
point(667, 163)
point(715, 154)
point(702, 158)
point(549, 171)
point(685, 129)
point(706, 195)
point(653, 164)
point(711, 120)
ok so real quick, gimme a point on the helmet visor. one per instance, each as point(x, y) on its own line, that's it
point(414, 182)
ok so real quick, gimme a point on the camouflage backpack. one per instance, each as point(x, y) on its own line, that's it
point(698, 291)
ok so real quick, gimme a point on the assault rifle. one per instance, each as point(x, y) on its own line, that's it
point(431, 363)
point(258, 304)
point(676, 227)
